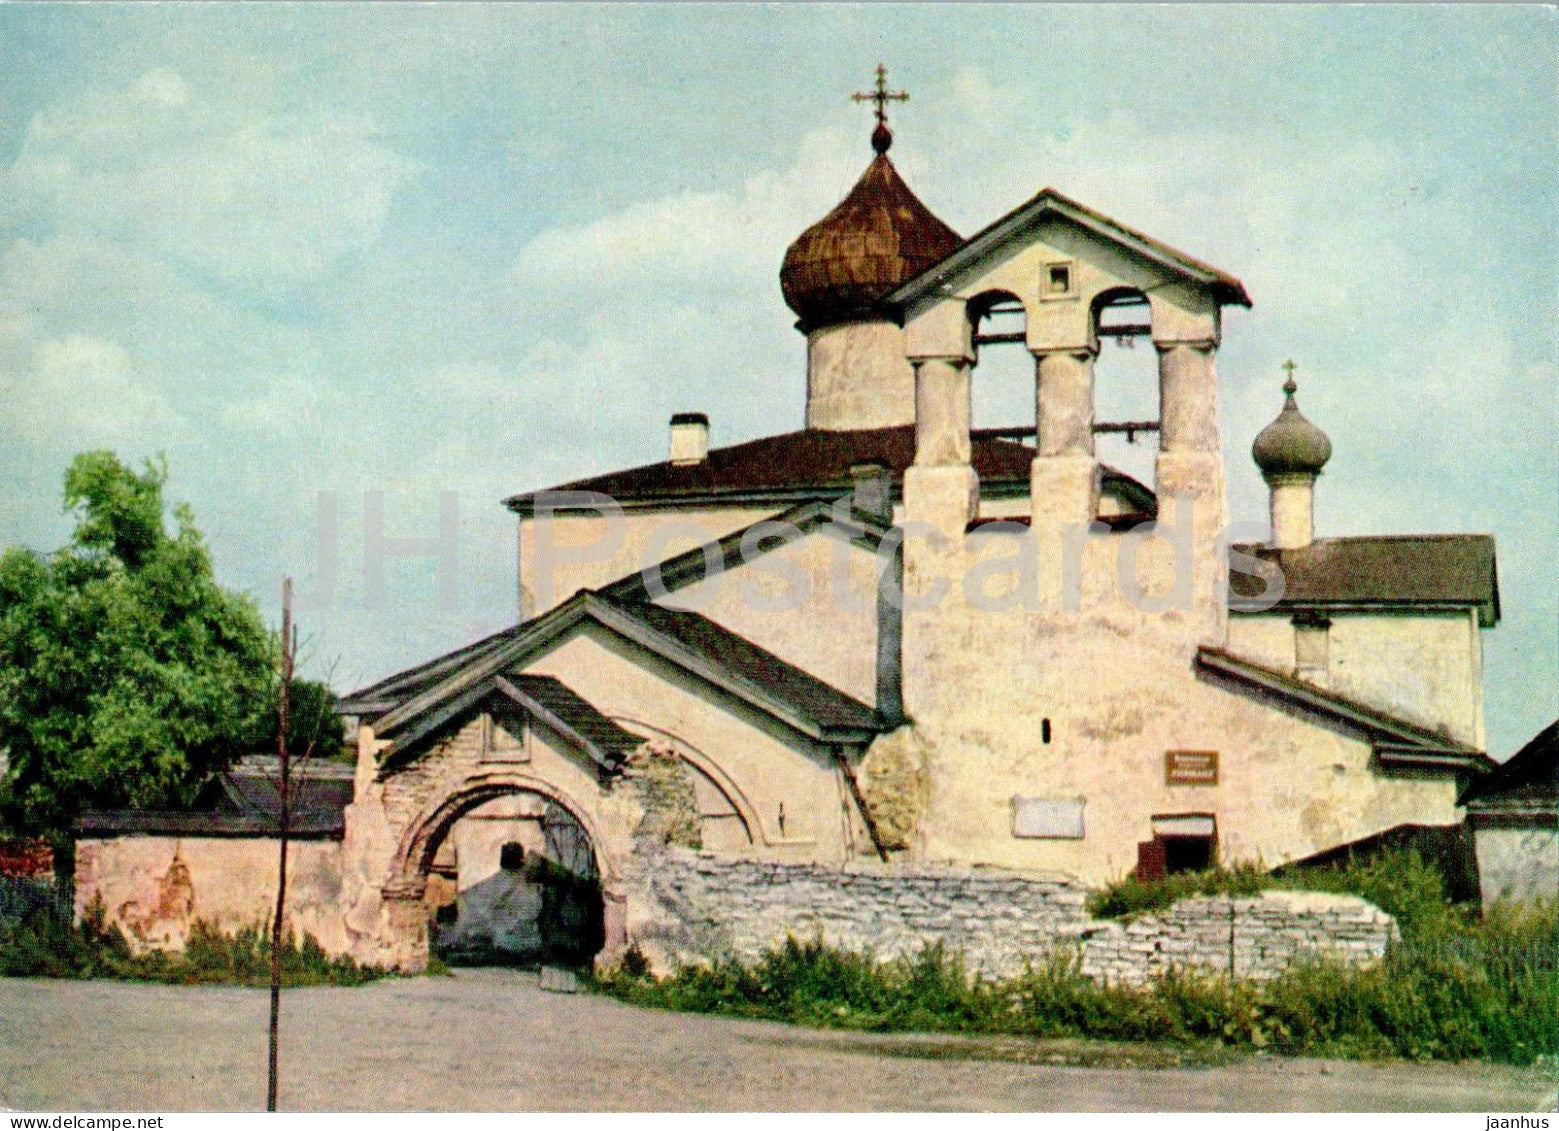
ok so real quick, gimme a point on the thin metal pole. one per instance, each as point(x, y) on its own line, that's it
point(284, 718)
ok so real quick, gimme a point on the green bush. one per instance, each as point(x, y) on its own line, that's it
point(1130, 896)
point(1452, 988)
point(46, 945)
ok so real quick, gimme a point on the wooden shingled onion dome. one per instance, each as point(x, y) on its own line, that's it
point(880, 235)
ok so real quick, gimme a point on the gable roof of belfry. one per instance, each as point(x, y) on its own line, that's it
point(1047, 203)
point(1397, 744)
point(422, 698)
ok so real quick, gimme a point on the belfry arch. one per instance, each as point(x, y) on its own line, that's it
point(1001, 386)
point(1128, 396)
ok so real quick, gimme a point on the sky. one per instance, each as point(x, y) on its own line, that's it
point(450, 253)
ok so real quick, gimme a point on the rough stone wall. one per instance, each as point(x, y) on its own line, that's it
point(696, 906)
point(1264, 934)
point(667, 794)
point(412, 784)
point(895, 785)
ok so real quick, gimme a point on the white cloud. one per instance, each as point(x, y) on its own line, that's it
point(240, 192)
point(85, 387)
point(690, 241)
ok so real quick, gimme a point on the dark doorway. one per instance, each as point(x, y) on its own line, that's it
point(522, 887)
point(1188, 854)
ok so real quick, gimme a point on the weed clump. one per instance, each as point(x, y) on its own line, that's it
point(45, 944)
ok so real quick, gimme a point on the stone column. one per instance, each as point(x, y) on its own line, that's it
point(942, 488)
point(1063, 394)
point(406, 927)
point(1189, 473)
point(1064, 479)
point(1187, 396)
point(942, 412)
point(614, 914)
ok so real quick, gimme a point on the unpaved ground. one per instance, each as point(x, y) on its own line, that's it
point(492, 1040)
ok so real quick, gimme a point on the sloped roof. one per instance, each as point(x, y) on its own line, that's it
point(555, 700)
point(1048, 202)
point(1398, 744)
point(806, 464)
point(244, 801)
point(1429, 570)
point(1529, 778)
point(826, 705)
point(413, 701)
point(252, 787)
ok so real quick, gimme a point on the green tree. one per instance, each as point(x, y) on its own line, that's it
point(128, 676)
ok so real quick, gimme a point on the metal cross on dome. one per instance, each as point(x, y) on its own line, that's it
point(1288, 367)
point(881, 96)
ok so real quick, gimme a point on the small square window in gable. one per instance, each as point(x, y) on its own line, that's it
point(505, 738)
point(1057, 281)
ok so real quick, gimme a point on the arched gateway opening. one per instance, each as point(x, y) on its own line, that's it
point(504, 870)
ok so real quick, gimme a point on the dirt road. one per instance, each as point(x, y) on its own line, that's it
point(492, 1040)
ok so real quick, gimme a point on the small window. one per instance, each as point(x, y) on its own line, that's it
point(1044, 732)
point(511, 857)
point(1060, 281)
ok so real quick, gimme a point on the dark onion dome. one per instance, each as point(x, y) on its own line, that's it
point(879, 236)
point(1291, 445)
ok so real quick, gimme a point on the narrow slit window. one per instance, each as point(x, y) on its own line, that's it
point(1044, 732)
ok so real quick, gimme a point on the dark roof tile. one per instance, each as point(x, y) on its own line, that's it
point(1529, 775)
point(561, 701)
point(816, 700)
point(809, 462)
point(1398, 569)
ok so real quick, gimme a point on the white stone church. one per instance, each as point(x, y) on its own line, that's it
point(893, 637)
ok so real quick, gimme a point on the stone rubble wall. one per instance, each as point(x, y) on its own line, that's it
point(699, 906)
point(1265, 934)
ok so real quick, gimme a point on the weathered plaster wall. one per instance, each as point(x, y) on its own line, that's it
point(1424, 667)
point(696, 906)
point(1517, 863)
point(1116, 680)
point(812, 603)
point(585, 554)
point(155, 887)
point(763, 766)
point(858, 377)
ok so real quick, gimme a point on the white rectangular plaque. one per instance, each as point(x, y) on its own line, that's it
point(1055, 818)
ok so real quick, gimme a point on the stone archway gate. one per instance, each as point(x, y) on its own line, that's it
point(409, 795)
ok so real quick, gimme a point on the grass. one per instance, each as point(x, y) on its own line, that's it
point(1130, 896)
point(44, 944)
point(1452, 987)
